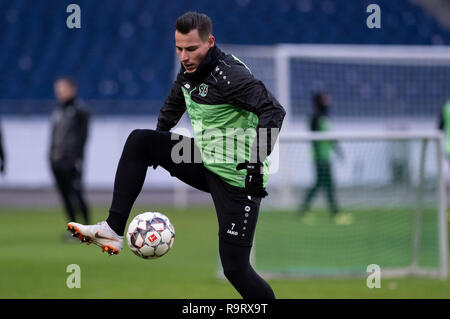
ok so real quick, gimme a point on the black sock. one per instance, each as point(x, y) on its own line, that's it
point(117, 222)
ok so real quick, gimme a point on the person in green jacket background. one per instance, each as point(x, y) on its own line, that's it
point(444, 125)
point(322, 152)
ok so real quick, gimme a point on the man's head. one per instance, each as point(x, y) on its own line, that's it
point(193, 39)
point(321, 102)
point(321, 98)
point(65, 89)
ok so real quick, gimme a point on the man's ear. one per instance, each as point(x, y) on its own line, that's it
point(211, 41)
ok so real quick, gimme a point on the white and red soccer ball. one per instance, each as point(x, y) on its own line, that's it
point(150, 235)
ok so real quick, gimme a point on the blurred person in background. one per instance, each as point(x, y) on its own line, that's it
point(2, 153)
point(322, 151)
point(69, 132)
point(444, 126)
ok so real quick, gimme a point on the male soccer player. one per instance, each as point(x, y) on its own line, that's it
point(69, 133)
point(444, 125)
point(222, 97)
point(2, 154)
point(322, 161)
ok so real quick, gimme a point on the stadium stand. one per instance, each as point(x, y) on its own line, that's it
point(123, 54)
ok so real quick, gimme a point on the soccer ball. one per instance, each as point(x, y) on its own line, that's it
point(150, 235)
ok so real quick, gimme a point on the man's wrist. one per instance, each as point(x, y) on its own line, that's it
point(256, 167)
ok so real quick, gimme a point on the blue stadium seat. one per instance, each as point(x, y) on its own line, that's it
point(120, 38)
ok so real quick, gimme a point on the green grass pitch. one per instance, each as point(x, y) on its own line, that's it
point(34, 259)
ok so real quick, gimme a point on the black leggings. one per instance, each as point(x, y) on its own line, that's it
point(68, 181)
point(236, 267)
point(145, 148)
point(324, 180)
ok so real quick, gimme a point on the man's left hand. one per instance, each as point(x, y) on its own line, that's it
point(254, 179)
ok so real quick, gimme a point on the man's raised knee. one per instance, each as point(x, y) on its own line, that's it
point(140, 141)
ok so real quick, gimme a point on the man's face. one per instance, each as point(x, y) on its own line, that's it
point(191, 49)
point(64, 91)
point(325, 99)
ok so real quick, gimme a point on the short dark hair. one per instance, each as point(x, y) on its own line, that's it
point(318, 98)
point(193, 20)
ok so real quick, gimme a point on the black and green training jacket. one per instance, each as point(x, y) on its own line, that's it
point(222, 97)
